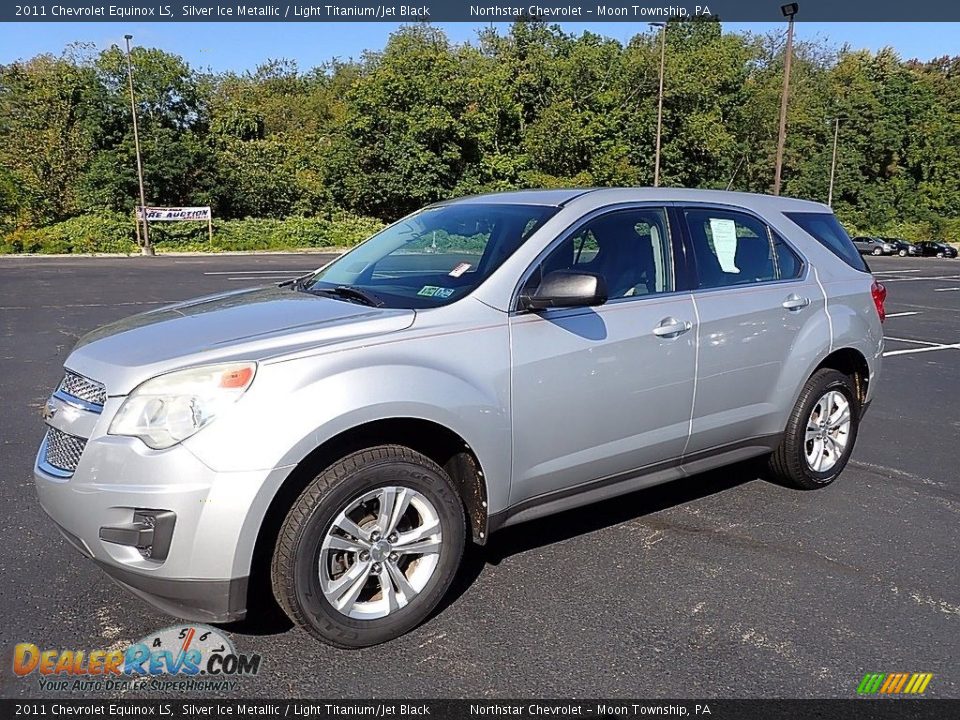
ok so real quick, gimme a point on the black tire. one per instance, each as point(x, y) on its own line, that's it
point(877, 251)
point(939, 254)
point(903, 253)
point(788, 463)
point(294, 575)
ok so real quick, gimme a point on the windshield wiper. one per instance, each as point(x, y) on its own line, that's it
point(351, 293)
point(296, 283)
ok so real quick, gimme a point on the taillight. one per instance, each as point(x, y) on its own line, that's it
point(879, 293)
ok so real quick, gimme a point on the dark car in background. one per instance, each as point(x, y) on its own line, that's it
point(873, 246)
point(931, 248)
point(902, 247)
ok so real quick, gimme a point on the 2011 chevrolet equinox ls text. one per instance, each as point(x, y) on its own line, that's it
point(484, 361)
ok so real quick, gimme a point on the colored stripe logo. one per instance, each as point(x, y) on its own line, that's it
point(894, 683)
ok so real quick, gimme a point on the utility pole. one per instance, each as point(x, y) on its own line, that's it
point(663, 56)
point(788, 11)
point(833, 160)
point(146, 248)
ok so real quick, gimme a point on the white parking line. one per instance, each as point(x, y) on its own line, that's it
point(955, 346)
point(908, 340)
point(956, 289)
point(259, 278)
point(895, 272)
point(903, 314)
point(922, 277)
point(258, 272)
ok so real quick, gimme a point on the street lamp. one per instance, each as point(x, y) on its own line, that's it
point(146, 248)
point(788, 10)
point(663, 55)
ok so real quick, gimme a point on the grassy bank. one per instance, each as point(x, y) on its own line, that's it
point(114, 233)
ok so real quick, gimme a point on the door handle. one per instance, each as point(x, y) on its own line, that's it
point(795, 302)
point(670, 327)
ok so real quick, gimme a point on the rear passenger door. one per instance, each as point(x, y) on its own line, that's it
point(752, 296)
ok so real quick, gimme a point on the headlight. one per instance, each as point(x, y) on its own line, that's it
point(172, 407)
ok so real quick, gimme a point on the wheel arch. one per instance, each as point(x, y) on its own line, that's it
point(851, 362)
point(438, 442)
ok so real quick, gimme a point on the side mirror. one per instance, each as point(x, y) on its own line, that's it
point(566, 289)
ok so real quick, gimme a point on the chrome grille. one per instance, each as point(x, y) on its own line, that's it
point(83, 388)
point(63, 450)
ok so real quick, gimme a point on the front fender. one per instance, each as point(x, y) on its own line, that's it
point(457, 380)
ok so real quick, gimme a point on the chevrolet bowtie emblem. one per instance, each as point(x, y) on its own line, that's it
point(48, 411)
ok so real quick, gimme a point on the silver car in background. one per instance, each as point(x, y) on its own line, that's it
point(333, 442)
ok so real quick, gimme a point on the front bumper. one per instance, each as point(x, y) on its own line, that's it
point(203, 573)
point(210, 601)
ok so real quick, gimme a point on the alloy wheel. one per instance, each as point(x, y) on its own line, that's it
point(380, 552)
point(828, 431)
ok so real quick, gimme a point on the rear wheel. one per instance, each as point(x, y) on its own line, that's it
point(939, 254)
point(369, 548)
point(820, 433)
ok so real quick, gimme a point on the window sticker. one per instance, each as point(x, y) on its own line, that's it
point(460, 269)
point(434, 291)
point(725, 243)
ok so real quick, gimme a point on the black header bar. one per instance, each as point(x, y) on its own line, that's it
point(477, 11)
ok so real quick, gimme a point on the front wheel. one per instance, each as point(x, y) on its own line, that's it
point(903, 253)
point(877, 251)
point(820, 433)
point(369, 548)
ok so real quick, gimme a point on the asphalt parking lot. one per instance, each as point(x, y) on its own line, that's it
point(722, 585)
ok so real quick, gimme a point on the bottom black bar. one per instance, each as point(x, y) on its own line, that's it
point(915, 708)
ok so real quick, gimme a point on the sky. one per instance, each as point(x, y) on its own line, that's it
point(242, 46)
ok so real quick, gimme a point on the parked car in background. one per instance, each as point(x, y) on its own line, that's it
point(902, 247)
point(336, 440)
point(873, 246)
point(931, 248)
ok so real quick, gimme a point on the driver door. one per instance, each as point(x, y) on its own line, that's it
point(603, 392)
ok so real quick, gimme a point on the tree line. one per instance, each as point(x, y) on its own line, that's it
point(534, 106)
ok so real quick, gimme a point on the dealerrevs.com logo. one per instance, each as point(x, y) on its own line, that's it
point(181, 657)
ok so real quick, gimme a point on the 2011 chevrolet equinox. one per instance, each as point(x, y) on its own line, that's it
point(479, 363)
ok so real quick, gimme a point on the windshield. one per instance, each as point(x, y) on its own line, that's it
point(433, 257)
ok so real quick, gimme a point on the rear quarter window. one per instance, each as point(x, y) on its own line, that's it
point(827, 230)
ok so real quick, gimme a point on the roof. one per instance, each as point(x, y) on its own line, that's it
point(598, 197)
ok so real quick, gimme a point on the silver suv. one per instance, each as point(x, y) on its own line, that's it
point(333, 442)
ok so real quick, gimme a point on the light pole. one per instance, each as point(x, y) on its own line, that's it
point(788, 10)
point(146, 248)
point(663, 56)
point(833, 160)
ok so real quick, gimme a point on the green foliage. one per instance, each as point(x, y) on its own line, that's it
point(312, 153)
point(114, 233)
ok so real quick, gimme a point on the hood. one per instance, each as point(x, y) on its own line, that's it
point(251, 324)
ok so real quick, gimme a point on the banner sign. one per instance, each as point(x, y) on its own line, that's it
point(474, 11)
point(155, 214)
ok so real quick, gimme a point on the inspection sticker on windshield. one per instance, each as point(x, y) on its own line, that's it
point(460, 269)
point(434, 291)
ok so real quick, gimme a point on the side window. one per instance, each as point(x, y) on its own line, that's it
point(789, 264)
point(826, 230)
point(629, 248)
point(733, 248)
